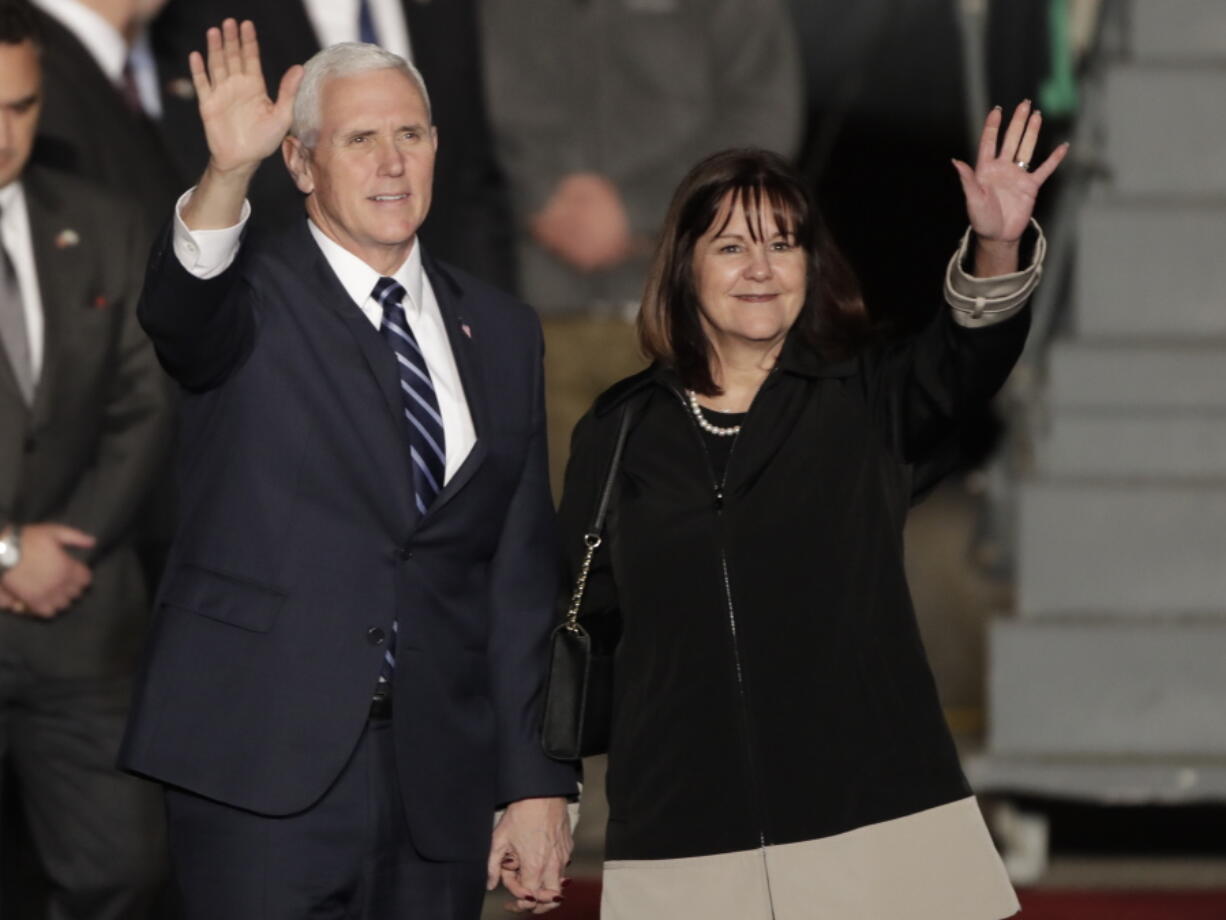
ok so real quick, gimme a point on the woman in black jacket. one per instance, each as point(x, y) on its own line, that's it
point(778, 750)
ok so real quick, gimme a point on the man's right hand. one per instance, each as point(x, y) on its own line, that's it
point(242, 124)
point(48, 579)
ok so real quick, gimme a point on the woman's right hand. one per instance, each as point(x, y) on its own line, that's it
point(242, 125)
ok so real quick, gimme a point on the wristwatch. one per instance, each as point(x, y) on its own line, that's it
point(10, 548)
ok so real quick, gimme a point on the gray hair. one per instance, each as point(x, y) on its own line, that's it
point(345, 59)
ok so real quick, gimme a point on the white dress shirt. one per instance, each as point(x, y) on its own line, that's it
point(337, 21)
point(208, 253)
point(15, 233)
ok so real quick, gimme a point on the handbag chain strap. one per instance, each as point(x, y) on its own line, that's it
point(592, 539)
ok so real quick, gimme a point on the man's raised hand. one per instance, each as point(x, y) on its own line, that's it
point(242, 124)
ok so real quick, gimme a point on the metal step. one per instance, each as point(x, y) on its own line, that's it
point(1125, 548)
point(1133, 376)
point(1178, 29)
point(1130, 445)
point(1166, 134)
point(1151, 268)
point(1108, 687)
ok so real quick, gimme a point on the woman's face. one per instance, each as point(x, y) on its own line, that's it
point(750, 291)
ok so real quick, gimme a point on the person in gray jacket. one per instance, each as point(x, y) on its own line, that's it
point(599, 108)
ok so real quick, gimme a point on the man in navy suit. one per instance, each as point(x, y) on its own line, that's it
point(347, 660)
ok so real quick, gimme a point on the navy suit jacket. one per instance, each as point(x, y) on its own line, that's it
point(298, 545)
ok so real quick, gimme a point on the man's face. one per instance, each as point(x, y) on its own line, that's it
point(369, 176)
point(20, 99)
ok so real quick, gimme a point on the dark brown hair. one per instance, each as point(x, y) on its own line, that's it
point(833, 318)
point(18, 23)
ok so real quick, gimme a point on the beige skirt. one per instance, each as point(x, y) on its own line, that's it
point(939, 864)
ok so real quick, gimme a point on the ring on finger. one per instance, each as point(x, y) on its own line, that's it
point(1024, 164)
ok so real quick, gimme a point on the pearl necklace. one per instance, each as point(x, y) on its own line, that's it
point(706, 426)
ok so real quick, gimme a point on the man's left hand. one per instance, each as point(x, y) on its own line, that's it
point(530, 848)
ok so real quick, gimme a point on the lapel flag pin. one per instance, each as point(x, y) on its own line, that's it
point(467, 329)
point(66, 238)
point(181, 88)
point(100, 302)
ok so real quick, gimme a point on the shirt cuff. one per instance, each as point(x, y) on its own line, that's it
point(978, 302)
point(206, 253)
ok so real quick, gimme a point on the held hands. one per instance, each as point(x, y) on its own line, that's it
point(584, 223)
point(530, 848)
point(243, 126)
point(48, 579)
point(1001, 190)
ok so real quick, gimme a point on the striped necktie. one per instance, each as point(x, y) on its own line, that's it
point(366, 24)
point(423, 420)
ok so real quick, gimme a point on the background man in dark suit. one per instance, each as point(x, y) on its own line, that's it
point(83, 423)
point(470, 224)
point(346, 667)
point(94, 123)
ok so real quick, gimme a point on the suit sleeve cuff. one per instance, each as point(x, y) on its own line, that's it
point(979, 302)
point(206, 253)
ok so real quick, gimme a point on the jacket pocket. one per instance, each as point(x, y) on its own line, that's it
point(238, 602)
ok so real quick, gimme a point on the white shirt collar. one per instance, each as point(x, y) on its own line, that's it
point(101, 39)
point(11, 197)
point(358, 279)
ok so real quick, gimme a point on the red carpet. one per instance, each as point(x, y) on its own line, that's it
point(1124, 905)
point(583, 903)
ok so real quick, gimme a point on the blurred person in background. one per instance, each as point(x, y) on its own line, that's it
point(102, 120)
point(101, 105)
point(84, 424)
point(599, 107)
point(469, 223)
point(885, 75)
point(890, 75)
point(778, 749)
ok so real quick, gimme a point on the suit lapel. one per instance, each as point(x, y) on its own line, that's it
point(386, 442)
point(57, 262)
point(450, 299)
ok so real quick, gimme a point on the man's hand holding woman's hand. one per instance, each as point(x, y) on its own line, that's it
point(530, 849)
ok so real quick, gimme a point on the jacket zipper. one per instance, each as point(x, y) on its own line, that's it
point(742, 694)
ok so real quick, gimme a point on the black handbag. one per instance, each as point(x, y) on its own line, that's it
point(579, 686)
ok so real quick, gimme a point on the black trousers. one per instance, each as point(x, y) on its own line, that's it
point(98, 833)
point(348, 857)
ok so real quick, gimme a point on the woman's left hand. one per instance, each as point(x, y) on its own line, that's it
point(1001, 190)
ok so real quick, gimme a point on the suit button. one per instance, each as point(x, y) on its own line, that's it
point(375, 636)
point(31, 444)
point(405, 553)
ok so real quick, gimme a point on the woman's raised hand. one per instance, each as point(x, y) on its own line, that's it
point(243, 126)
point(1001, 190)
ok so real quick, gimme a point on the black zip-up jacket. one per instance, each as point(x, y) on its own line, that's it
point(771, 686)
